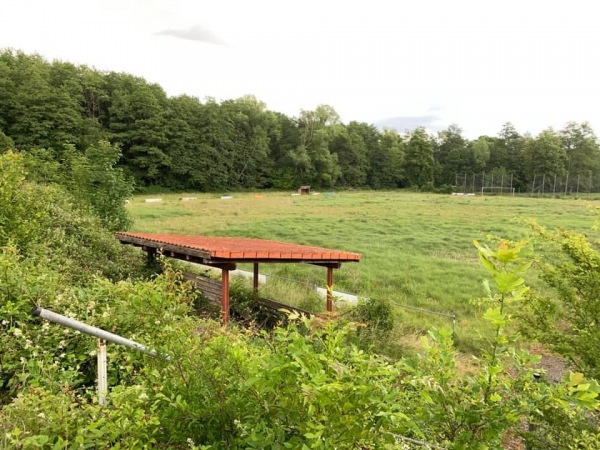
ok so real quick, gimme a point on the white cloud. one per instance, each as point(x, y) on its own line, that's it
point(196, 33)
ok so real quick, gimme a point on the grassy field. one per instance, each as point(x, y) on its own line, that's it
point(417, 248)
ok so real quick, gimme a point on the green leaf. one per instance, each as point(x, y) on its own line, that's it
point(495, 397)
point(487, 263)
point(507, 282)
point(494, 316)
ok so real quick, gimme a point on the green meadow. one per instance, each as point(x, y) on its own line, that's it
point(417, 248)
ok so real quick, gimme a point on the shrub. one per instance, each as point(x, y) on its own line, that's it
point(46, 222)
point(567, 319)
point(377, 314)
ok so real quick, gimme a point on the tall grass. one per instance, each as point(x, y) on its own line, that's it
point(417, 248)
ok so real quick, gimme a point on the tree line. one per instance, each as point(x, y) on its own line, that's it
point(183, 143)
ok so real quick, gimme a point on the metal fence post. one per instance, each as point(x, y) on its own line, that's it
point(102, 376)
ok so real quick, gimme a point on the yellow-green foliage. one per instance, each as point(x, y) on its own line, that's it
point(49, 223)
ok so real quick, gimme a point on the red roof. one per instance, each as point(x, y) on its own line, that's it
point(239, 249)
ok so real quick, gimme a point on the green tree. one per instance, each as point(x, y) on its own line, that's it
point(252, 125)
point(350, 146)
point(418, 161)
point(567, 318)
point(39, 106)
point(96, 179)
point(284, 140)
point(507, 155)
point(386, 161)
point(479, 150)
point(544, 155)
point(583, 154)
point(137, 122)
point(6, 143)
point(193, 160)
point(312, 159)
point(451, 155)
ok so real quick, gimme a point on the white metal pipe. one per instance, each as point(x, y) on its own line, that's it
point(88, 329)
point(102, 375)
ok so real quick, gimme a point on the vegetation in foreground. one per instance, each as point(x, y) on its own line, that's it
point(305, 385)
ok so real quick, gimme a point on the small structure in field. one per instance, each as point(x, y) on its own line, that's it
point(304, 190)
point(225, 253)
point(188, 199)
point(153, 200)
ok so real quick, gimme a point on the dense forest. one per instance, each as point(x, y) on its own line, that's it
point(183, 143)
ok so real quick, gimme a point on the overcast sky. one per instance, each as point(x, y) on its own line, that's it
point(476, 63)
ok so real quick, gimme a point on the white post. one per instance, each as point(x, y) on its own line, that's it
point(102, 377)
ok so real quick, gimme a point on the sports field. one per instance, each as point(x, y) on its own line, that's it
point(417, 248)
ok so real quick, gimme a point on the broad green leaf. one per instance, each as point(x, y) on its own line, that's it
point(494, 316)
point(507, 282)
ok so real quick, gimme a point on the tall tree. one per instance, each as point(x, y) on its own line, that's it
point(386, 161)
point(418, 162)
point(544, 155)
point(252, 127)
point(451, 155)
point(137, 121)
point(583, 154)
point(314, 163)
point(284, 139)
point(351, 144)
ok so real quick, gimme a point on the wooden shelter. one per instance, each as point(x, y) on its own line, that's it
point(225, 252)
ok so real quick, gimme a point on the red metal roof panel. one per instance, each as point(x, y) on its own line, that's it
point(244, 248)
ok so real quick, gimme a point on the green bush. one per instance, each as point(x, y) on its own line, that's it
point(46, 222)
point(377, 314)
point(567, 319)
point(66, 419)
point(302, 385)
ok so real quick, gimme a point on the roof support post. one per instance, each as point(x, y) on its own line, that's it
point(255, 278)
point(329, 289)
point(150, 256)
point(225, 294)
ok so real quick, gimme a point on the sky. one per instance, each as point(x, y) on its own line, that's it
point(397, 63)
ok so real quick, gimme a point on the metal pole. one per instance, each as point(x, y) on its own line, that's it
point(225, 294)
point(502, 185)
point(473, 183)
point(533, 185)
point(578, 185)
point(554, 188)
point(329, 289)
point(543, 183)
point(255, 278)
point(465, 184)
point(567, 183)
point(453, 327)
point(88, 329)
point(102, 377)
